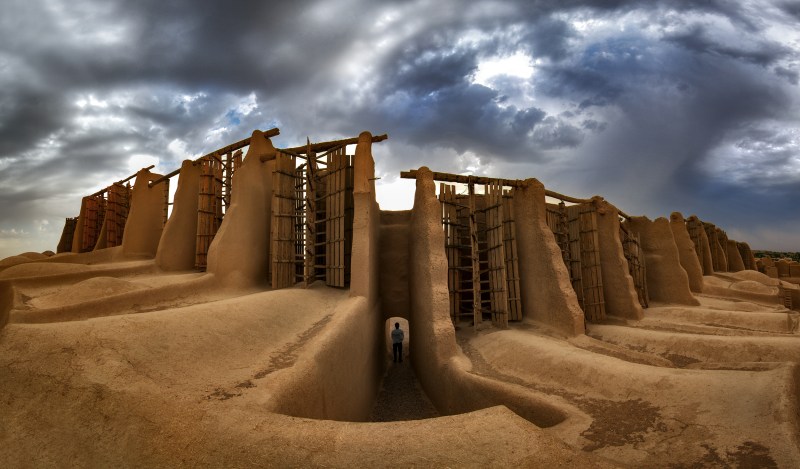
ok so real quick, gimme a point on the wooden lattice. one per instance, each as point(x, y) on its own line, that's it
point(117, 207)
point(92, 216)
point(636, 267)
point(585, 245)
point(283, 236)
point(481, 250)
point(496, 255)
point(209, 208)
point(511, 261)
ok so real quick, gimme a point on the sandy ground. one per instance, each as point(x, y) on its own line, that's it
point(185, 376)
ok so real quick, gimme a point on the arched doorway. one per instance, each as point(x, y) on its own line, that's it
point(389, 325)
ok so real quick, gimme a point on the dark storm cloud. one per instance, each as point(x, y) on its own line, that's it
point(763, 53)
point(648, 99)
point(547, 37)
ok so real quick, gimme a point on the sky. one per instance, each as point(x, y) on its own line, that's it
point(658, 106)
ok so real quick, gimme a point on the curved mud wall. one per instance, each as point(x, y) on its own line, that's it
point(706, 262)
point(143, 227)
point(735, 262)
point(686, 252)
point(77, 235)
point(177, 248)
point(546, 291)
point(102, 238)
point(667, 282)
point(722, 258)
point(441, 367)
point(618, 289)
point(341, 381)
point(240, 253)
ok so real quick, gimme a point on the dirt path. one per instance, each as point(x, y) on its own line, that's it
point(401, 397)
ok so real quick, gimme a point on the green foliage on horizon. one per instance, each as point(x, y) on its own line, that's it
point(795, 256)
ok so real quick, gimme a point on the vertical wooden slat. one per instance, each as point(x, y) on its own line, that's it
point(309, 270)
point(475, 258)
point(92, 216)
point(633, 254)
point(338, 223)
point(575, 269)
point(206, 212)
point(511, 261)
point(165, 206)
point(452, 248)
point(496, 254)
point(594, 303)
point(282, 236)
point(299, 223)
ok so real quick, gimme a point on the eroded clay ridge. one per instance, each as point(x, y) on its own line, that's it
point(248, 326)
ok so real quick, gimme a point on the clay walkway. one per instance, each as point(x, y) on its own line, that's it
point(401, 397)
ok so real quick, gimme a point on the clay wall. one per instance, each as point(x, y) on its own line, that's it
point(783, 268)
point(686, 252)
point(393, 275)
point(77, 235)
point(342, 385)
point(747, 256)
point(667, 281)
point(547, 294)
point(366, 221)
point(735, 261)
point(440, 365)
point(144, 226)
point(240, 252)
point(340, 380)
point(65, 242)
point(618, 288)
point(706, 261)
point(722, 258)
point(176, 250)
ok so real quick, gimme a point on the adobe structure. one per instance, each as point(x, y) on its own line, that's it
point(248, 326)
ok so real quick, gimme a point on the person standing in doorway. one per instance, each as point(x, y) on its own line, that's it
point(397, 343)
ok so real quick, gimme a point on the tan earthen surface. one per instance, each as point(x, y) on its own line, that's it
point(109, 361)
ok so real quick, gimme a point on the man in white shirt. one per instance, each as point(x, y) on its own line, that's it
point(397, 343)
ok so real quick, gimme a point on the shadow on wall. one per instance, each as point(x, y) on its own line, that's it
point(7, 303)
point(388, 336)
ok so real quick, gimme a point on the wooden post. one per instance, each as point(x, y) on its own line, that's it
point(311, 216)
point(206, 213)
point(228, 172)
point(511, 261)
point(575, 270)
point(477, 314)
point(593, 300)
point(496, 255)
point(282, 236)
point(165, 213)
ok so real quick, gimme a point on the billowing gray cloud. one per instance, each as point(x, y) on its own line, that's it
point(658, 105)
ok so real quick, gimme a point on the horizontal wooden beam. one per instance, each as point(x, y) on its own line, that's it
point(447, 177)
point(565, 198)
point(274, 132)
point(121, 181)
point(164, 178)
point(222, 151)
point(325, 146)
